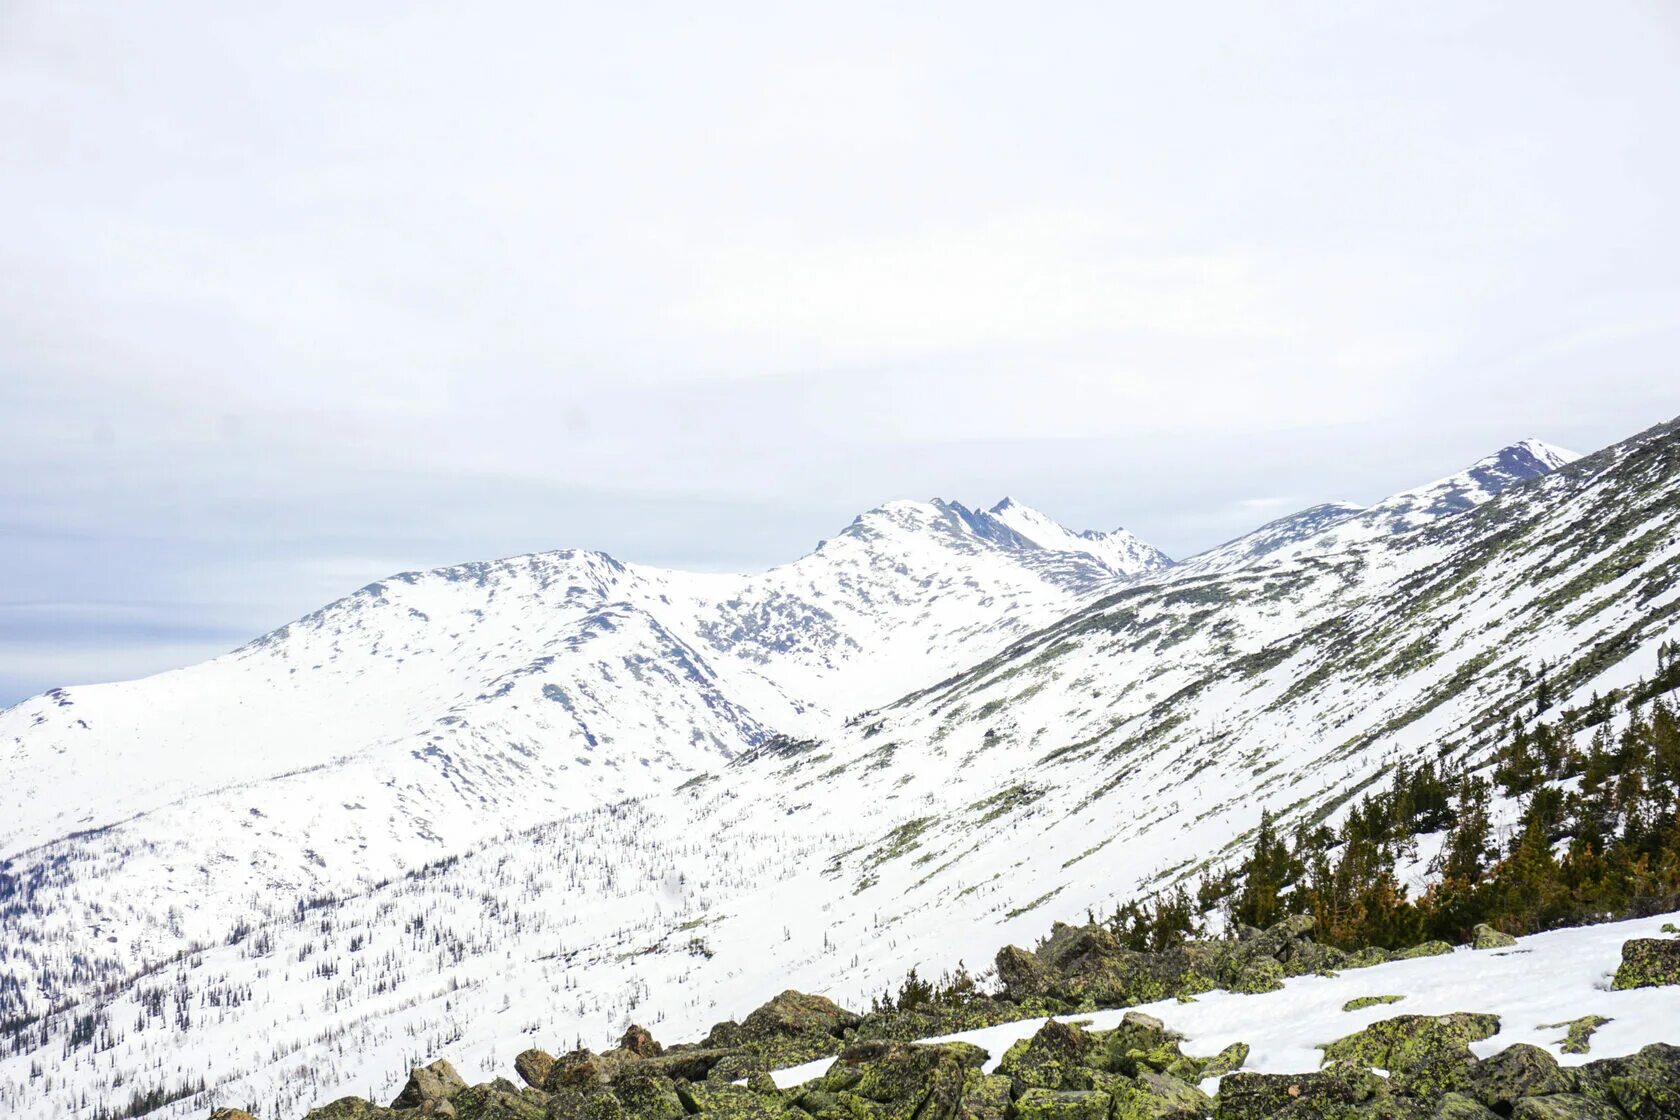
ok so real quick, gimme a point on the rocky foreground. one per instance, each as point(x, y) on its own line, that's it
point(1408, 1066)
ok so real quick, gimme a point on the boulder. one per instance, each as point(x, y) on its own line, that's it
point(1457, 1106)
point(638, 1041)
point(900, 1080)
point(1645, 1085)
point(1262, 974)
point(1648, 962)
point(350, 1108)
point(230, 1114)
point(984, 1098)
point(1053, 1059)
point(729, 1102)
point(1330, 1091)
point(1519, 1071)
point(1426, 1055)
point(429, 1085)
point(1360, 1003)
point(1049, 1104)
point(532, 1066)
point(580, 1070)
point(1158, 1096)
point(647, 1095)
point(1564, 1106)
point(500, 1100)
point(1484, 936)
point(795, 1014)
point(1427, 949)
point(1226, 1061)
point(1021, 974)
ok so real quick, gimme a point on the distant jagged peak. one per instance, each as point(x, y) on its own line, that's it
point(1120, 550)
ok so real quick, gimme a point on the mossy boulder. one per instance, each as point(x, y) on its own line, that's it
point(1153, 1095)
point(429, 1085)
point(1564, 1106)
point(1484, 936)
point(895, 1081)
point(500, 1100)
point(1648, 962)
point(580, 1070)
point(1261, 974)
point(1360, 1003)
point(1457, 1106)
point(230, 1114)
point(1021, 973)
point(533, 1066)
point(1367, 957)
point(984, 1098)
point(350, 1108)
point(1332, 1091)
point(723, 1101)
point(1645, 1085)
point(1228, 1060)
point(795, 1015)
point(1427, 949)
point(646, 1094)
point(1055, 1058)
point(1050, 1104)
point(1578, 1034)
point(1519, 1071)
point(1426, 1055)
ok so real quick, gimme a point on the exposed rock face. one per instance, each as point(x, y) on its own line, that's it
point(1648, 962)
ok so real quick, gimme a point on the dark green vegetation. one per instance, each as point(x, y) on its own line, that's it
point(1598, 840)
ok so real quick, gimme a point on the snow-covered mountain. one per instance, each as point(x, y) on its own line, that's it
point(1337, 526)
point(516, 798)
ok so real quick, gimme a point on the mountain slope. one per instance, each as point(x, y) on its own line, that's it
point(1336, 526)
point(1123, 744)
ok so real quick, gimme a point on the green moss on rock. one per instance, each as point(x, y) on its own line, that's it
point(1648, 962)
point(1484, 936)
point(1051, 1104)
point(1359, 1003)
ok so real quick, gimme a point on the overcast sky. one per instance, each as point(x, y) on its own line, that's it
point(296, 296)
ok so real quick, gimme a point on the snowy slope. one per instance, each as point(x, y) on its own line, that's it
point(1130, 737)
point(1119, 551)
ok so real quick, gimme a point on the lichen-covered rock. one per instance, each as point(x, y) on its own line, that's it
point(1366, 957)
point(1049, 1104)
point(722, 1101)
point(638, 1041)
point(578, 1069)
point(427, 1084)
point(1645, 1085)
point(984, 1098)
point(1359, 1003)
point(1157, 1096)
point(1648, 962)
point(1457, 1106)
point(1262, 974)
point(230, 1114)
point(795, 1014)
point(532, 1066)
point(1021, 974)
point(1519, 1071)
point(1427, 949)
point(1426, 1055)
point(1139, 1042)
point(646, 1094)
point(1226, 1061)
point(350, 1108)
point(499, 1100)
point(1578, 1033)
point(1484, 936)
point(896, 1081)
point(1564, 1106)
point(1331, 1091)
point(1053, 1058)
